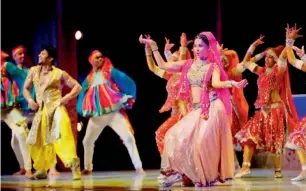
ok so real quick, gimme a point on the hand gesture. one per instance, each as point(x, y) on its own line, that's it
point(168, 45)
point(147, 37)
point(184, 41)
point(299, 52)
point(258, 41)
point(292, 33)
point(241, 84)
point(220, 48)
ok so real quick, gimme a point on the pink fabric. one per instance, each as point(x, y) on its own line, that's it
point(201, 149)
point(223, 93)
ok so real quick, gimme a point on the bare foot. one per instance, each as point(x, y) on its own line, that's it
point(54, 172)
point(20, 172)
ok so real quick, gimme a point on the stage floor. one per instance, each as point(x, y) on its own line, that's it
point(259, 180)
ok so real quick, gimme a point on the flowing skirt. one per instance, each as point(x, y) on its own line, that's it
point(163, 129)
point(265, 131)
point(297, 139)
point(201, 149)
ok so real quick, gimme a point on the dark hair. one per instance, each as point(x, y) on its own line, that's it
point(51, 52)
point(203, 38)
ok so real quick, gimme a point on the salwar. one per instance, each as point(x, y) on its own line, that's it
point(118, 123)
point(44, 155)
point(17, 123)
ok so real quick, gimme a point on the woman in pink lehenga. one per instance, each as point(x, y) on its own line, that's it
point(200, 145)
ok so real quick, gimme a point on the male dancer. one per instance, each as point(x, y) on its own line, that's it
point(51, 132)
point(106, 93)
point(12, 79)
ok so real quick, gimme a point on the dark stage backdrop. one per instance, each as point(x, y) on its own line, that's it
point(114, 28)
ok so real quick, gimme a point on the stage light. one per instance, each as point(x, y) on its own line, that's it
point(78, 35)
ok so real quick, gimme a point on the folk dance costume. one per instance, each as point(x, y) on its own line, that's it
point(200, 144)
point(297, 139)
point(51, 131)
point(12, 79)
point(239, 104)
point(178, 107)
point(106, 94)
point(268, 128)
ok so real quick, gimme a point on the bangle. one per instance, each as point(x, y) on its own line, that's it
point(281, 63)
point(251, 49)
point(168, 54)
point(289, 42)
point(228, 84)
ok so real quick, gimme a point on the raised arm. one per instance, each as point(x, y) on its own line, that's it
point(299, 64)
point(291, 35)
point(152, 65)
point(217, 83)
point(248, 61)
point(27, 88)
point(73, 84)
point(181, 54)
point(282, 61)
point(168, 66)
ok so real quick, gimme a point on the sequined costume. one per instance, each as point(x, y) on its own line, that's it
point(268, 128)
point(297, 139)
point(11, 75)
point(239, 104)
point(51, 131)
point(200, 144)
point(106, 94)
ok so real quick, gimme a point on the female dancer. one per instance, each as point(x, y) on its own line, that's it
point(297, 139)
point(240, 106)
point(266, 130)
point(200, 144)
point(178, 107)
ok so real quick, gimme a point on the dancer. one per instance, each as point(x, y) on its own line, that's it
point(200, 144)
point(12, 79)
point(178, 107)
point(106, 93)
point(23, 62)
point(240, 106)
point(51, 132)
point(266, 130)
point(297, 139)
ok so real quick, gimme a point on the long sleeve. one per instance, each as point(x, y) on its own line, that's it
point(124, 82)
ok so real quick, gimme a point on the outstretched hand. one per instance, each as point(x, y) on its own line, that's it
point(299, 52)
point(168, 45)
point(184, 41)
point(258, 41)
point(292, 32)
point(241, 84)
